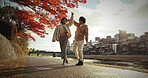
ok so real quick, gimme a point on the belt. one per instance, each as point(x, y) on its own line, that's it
point(63, 34)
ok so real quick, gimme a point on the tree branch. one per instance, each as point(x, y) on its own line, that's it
point(33, 10)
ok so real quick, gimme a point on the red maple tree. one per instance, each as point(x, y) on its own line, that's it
point(44, 13)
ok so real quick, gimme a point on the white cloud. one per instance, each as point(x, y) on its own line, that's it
point(141, 12)
point(127, 1)
point(109, 17)
point(44, 44)
point(50, 46)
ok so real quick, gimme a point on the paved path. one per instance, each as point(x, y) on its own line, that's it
point(38, 67)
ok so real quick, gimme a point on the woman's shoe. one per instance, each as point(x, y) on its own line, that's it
point(66, 61)
point(63, 63)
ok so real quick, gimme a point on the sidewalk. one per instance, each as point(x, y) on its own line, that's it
point(39, 67)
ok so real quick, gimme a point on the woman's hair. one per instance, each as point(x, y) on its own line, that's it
point(82, 19)
point(62, 20)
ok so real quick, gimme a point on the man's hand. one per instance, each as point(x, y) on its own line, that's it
point(72, 13)
point(86, 43)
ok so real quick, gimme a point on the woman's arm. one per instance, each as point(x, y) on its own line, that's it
point(76, 24)
point(71, 20)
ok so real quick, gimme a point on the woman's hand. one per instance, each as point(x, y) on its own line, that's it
point(72, 13)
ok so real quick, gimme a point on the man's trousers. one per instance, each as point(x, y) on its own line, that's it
point(78, 49)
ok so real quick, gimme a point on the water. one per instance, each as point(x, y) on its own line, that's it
point(118, 63)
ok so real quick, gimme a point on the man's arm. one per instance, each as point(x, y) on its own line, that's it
point(75, 23)
point(86, 34)
point(71, 20)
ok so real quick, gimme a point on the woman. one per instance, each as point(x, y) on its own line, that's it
point(61, 34)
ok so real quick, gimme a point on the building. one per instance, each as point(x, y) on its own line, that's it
point(97, 39)
point(114, 47)
point(108, 39)
point(122, 48)
point(122, 43)
point(147, 46)
point(89, 44)
point(143, 38)
point(122, 34)
point(116, 37)
point(133, 47)
point(131, 36)
point(71, 46)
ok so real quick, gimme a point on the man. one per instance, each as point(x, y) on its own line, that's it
point(80, 33)
point(61, 34)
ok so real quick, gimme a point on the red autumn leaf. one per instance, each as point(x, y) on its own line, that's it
point(44, 13)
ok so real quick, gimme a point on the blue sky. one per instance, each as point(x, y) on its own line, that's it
point(91, 4)
point(103, 17)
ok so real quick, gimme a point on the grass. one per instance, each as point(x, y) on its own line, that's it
point(7, 67)
point(119, 67)
point(144, 62)
point(124, 58)
point(116, 59)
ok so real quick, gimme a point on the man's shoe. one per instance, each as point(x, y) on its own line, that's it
point(79, 63)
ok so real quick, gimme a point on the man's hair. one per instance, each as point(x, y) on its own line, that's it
point(62, 20)
point(82, 19)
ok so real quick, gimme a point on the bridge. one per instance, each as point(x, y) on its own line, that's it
point(54, 54)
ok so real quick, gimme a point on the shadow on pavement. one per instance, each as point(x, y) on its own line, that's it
point(31, 69)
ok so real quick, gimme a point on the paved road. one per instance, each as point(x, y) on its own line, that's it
point(38, 67)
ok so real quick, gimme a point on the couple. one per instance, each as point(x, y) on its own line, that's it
point(62, 34)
